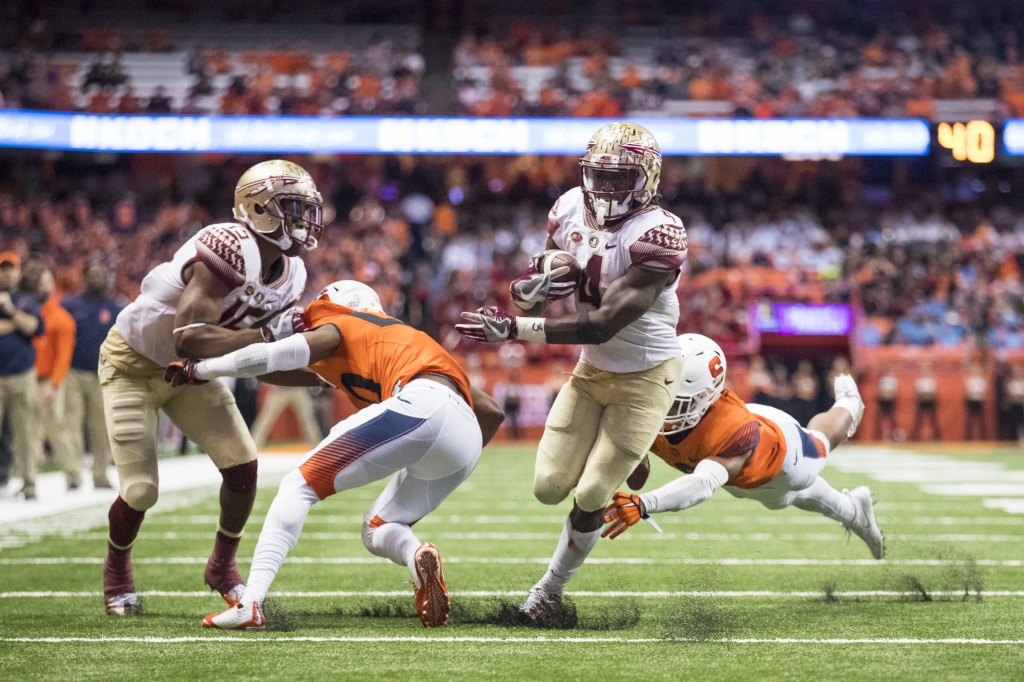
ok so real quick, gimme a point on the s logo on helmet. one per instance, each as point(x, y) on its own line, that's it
point(576, 237)
point(715, 367)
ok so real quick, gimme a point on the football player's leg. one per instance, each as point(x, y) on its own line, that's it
point(842, 420)
point(208, 416)
point(130, 412)
point(569, 435)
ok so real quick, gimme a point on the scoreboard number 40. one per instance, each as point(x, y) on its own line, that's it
point(974, 142)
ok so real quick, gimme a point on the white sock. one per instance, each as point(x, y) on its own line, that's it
point(826, 500)
point(280, 534)
point(573, 547)
point(394, 541)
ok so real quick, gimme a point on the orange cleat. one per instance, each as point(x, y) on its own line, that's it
point(237, 617)
point(432, 600)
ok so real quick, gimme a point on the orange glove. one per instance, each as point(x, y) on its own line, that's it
point(624, 511)
point(182, 373)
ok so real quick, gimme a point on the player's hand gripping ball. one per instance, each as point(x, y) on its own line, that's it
point(182, 373)
point(552, 275)
point(625, 510)
point(490, 324)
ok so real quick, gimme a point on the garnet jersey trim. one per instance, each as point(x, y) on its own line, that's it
point(220, 249)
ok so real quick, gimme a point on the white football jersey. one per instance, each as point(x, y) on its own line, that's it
point(231, 253)
point(651, 238)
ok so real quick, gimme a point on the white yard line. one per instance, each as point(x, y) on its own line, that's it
point(655, 594)
point(641, 537)
point(683, 561)
point(254, 638)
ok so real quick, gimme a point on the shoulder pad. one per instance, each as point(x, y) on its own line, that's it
point(219, 247)
point(662, 247)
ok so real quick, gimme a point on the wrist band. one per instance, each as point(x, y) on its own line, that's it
point(531, 329)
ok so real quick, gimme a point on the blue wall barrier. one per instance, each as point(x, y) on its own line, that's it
point(424, 135)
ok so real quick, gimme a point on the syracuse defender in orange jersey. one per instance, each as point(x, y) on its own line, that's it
point(755, 451)
point(418, 419)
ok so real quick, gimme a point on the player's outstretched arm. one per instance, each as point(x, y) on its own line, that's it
point(687, 491)
point(625, 301)
point(259, 359)
point(488, 414)
point(196, 334)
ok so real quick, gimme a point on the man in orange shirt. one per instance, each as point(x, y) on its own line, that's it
point(53, 360)
point(418, 419)
point(756, 452)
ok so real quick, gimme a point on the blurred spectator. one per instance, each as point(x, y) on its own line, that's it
point(513, 404)
point(759, 382)
point(94, 314)
point(926, 390)
point(21, 321)
point(54, 348)
point(1014, 399)
point(888, 392)
point(975, 388)
point(805, 392)
point(277, 400)
point(159, 102)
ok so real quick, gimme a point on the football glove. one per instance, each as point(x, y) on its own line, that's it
point(623, 512)
point(182, 373)
point(284, 324)
point(490, 324)
point(534, 287)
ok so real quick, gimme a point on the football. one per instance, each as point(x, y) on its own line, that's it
point(553, 259)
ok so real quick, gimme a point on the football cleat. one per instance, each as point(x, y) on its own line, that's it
point(126, 604)
point(238, 617)
point(541, 605)
point(432, 600)
point(864, 525)
point(848, 395)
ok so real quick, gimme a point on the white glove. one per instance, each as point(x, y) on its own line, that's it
point(284, 324)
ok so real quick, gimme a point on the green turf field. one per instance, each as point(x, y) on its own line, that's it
point(729, 592)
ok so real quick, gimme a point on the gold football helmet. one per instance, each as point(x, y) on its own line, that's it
point(280, 194)
point(620, 171)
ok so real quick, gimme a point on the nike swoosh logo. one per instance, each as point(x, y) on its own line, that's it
point(609, 246)
point(669, 381)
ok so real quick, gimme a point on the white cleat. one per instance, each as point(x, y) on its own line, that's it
point(864, 525)
point(126, 604)
point(540, 603)
point(238, 617)
point(846, 388)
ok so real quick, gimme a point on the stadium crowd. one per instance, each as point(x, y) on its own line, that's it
point(834, 61)
point(437, 236)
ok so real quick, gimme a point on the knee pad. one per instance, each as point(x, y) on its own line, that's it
point(550, 490)
point(139, 494)
point(592, 498)
point(240, 479)
point(128, 417)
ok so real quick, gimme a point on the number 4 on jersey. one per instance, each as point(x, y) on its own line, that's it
point(590, 287)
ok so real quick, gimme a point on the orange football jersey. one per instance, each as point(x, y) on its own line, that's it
point(377, 353)
point(729, 429)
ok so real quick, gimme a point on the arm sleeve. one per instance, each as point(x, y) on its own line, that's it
point(257, 359)
point(660, 248)
point(687, 491)
point(64, 348)
point(220, 249)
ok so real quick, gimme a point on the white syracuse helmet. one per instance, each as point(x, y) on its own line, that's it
point(276, 194)
point(352, 294)
point(620, 170)
point(701, 383)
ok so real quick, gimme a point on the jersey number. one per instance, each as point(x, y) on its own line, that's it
point(590, 288)
point(351, 382)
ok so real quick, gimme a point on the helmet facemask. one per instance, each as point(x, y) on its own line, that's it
point(279, 197)
point(687, 411)
point(612, 191)
point(303, 217)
